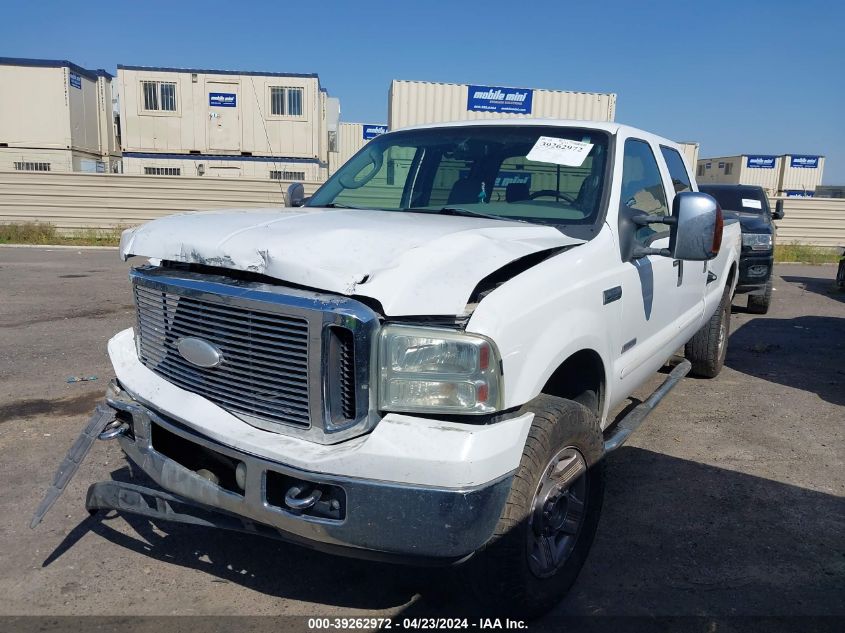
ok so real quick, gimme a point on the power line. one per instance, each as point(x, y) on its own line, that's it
point(267, 136)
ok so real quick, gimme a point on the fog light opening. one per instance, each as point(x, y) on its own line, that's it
point(240, 475)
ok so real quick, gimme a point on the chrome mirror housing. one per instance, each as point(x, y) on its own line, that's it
point(696, 230)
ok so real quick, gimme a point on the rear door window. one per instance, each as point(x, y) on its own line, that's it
point(677, 169)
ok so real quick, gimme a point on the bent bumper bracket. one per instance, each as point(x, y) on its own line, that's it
point(103, 416)
point(158, 504)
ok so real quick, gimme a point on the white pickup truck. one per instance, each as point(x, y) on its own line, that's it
point(419, 361)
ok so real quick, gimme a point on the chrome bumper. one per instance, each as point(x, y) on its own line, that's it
point(379, 519)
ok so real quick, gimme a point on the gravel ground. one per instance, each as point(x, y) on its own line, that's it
point(727, 502)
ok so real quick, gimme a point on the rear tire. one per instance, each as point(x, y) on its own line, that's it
point(759, 304)
point(708, 348)
point(550, 517)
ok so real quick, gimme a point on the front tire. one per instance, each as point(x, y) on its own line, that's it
point(759, 304)
point(550, 517)
point(706, 350)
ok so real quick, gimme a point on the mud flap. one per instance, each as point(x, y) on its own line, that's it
point(103, 416)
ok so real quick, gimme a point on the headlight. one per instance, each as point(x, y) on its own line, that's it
point(437, 371)
point(757, 241)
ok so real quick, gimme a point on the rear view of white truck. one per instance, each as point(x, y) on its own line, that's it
point(419, 362)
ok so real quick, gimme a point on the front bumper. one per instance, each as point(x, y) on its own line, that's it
point(401, 449)
point(381, 520)
point(755, 270)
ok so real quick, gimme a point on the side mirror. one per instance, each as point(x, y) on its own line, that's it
point(778, 214)
point(696, 228)
point(296, 194)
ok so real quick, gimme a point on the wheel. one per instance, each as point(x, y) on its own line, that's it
point(708, 348)
point(840, 273)
point(759, 304)
point(550, 517)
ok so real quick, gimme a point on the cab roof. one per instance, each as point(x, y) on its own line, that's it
point(611, 127)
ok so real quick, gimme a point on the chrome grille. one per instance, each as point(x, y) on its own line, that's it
point(294, 361)
point(265, 368)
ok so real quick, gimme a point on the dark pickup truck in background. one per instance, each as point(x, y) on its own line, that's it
point(751, 206)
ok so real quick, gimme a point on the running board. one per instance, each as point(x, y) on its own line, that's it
point(631, 422)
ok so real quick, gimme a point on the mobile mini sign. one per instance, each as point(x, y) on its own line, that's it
point(497, 99)
point(804, 162)
point(760, 162)
point(372, 131)
point(222, 99)
point(75, 81)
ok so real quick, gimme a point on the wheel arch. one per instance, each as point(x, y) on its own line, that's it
point(732, 277)
point(580, 378)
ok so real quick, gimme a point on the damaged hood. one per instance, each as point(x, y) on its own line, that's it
point(411, 263)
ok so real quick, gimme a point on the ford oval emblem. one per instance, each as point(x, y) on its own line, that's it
point(199, 352)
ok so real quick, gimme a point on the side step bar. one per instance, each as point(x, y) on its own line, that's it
point(631, 422)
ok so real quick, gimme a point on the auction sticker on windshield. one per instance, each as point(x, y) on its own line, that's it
point(753, 204)
point(560, 151)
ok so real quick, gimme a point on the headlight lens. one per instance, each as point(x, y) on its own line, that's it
point(757, 241)
point(437, 371)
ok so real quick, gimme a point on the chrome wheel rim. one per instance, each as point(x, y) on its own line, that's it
point(557, 512)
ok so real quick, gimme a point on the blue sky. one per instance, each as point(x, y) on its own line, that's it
point(738, 77)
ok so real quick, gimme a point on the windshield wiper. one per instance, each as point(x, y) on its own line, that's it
point(466, 213)
point(338, 205)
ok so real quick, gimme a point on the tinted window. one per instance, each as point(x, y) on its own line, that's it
point(642, 187)
point(677, 169)
point(740, 199)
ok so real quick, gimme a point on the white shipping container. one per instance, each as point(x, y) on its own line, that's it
point(351, 138)
point(723, 170)
point(766, 177)
point(690, 152)
point(745, 169)
point(170, 110)
point(222, 167)
point(420, 102)
point(41, 160)
point(801, 173)
point(56, 105)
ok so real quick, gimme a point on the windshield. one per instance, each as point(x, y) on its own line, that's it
point(543, 174)
point(739, 199)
